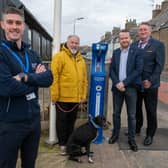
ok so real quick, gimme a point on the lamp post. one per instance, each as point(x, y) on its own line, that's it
point(76, 19)
point(56, 46)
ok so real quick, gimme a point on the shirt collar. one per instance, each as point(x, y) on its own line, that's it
point(13, 45)
point(125, 49)
point(144, 41)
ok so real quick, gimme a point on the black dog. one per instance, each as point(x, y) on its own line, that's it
point(82, 137)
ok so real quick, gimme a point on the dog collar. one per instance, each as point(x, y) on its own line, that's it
point(94, 124)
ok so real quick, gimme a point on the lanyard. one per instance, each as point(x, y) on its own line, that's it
point(25, 67)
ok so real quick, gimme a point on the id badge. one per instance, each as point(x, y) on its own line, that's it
point(30, 96)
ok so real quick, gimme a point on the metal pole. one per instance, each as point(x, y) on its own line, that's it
point(57, 26)
point(74, 25)
point(56, 47)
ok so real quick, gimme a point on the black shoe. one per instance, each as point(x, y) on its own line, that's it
point(133, 146)
point(148, 141)
point(113, 139)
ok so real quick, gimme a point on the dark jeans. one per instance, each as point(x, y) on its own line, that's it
point(65, 121)
point(150, 98)
point(130, 96)
point(20, 135)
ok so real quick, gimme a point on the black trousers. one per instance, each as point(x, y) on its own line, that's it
point(65, 120)
point(150, 98)
point(23, 135)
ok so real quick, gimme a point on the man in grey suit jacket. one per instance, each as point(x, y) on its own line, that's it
point(125, 72)
point(153, 53)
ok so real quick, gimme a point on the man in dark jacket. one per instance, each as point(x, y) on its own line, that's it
point(153, 53)
point(21, 73)
point(125, 71)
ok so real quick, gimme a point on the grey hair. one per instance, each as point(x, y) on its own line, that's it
point(70, 36)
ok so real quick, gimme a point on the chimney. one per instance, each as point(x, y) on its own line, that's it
point(107, 35)
point(156, 11)
point(115, 30)
point(130, 24)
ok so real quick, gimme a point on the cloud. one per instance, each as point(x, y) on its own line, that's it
point(100, 15)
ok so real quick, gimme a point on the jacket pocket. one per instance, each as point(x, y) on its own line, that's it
point(148, 69)
point(4, 101)
point(17, 108)
point(8, 104)
point(68, 92)
point(3, 130)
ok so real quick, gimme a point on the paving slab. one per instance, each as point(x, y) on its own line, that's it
point(110, 156)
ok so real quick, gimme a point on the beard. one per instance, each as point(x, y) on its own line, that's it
point(74, 51)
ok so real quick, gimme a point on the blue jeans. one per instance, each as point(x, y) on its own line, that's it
point(130, 97)
point(23, 135)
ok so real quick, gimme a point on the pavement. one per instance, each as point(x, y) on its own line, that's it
point(110, 156)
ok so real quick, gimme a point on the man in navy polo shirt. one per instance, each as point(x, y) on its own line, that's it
point(21, 73)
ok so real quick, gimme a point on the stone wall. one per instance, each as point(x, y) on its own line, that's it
point(162, 35)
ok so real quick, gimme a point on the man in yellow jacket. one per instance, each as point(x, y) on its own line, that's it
point(69, 87)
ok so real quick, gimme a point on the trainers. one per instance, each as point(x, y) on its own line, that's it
point(63, 150)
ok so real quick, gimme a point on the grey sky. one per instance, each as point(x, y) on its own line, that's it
point(99, 15)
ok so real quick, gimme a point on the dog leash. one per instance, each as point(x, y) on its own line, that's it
point(66, 110)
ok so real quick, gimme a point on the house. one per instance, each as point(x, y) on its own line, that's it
point(159, 23)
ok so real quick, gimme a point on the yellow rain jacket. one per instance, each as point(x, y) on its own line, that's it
point(70, 77)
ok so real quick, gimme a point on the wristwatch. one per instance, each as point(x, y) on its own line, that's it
point(22, 76)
